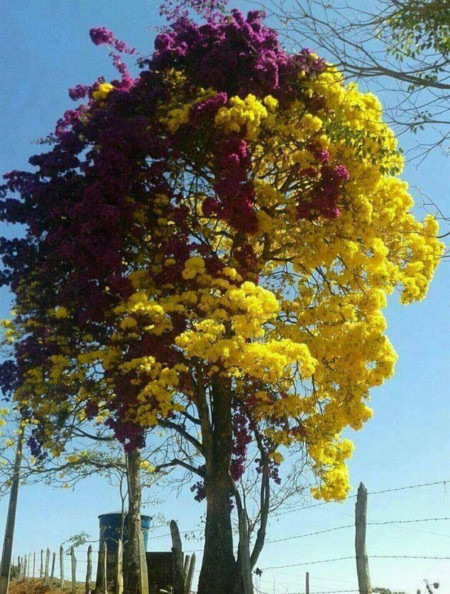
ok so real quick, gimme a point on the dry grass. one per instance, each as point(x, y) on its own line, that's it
point(37, 587)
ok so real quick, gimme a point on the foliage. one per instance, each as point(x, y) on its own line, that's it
point(400, 47)
point(181, 234)
point(417, 27)
point(208, 247)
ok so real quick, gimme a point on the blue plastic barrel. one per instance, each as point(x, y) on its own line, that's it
point(110, 529)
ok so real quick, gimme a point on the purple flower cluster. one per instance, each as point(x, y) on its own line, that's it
point(103, 36)
point(235, 194)
point(205, 109)
point(233, 54)
point(327, 185)
point(94, 199)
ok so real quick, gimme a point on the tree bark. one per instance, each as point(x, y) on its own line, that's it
point(135, 574)
point(5, 567)
point(218, 567)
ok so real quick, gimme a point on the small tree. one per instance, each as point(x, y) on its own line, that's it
point(209, 246)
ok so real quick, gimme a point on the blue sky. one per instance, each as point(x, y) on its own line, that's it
point(46, 49)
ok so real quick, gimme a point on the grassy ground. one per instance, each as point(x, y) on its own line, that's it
point(30, 586)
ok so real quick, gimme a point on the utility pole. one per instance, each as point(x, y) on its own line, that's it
point(5, 568)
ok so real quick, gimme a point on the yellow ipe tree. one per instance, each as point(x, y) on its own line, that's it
point(210, 246)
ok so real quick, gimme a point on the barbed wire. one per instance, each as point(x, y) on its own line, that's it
point(407, 521)
point(310, 534)
point(427, 557)
point(313, 505)
point(380, 492)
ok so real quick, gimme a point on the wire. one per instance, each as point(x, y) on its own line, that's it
point(417, 486)
point(407, 521)
point(309, 563)
point(353, 557)
point(311, 533)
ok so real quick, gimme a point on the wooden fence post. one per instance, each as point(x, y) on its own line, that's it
point(41, 569)
point(87, 587)
point(19, 567)
point(34, 564)
point(24, 567)
point(177, 556)
point(143, 565)
point(73, 560)
point(119, 569)
point(362, 562)
point(189, 575)
point(307, 583)
point(47, 563)
point(52, 576)
point(61, 567)
point(101, 582)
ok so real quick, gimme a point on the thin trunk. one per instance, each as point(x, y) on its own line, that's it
point(11, 518)
point(135, 574)
point(243, 581)
point(218, 566)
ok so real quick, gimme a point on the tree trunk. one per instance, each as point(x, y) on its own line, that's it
point(5, 567)
point(218, 567)
point(135, 574)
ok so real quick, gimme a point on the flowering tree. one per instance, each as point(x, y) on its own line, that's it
point(208, 248)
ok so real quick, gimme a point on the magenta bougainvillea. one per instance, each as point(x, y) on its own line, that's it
point(82, 226)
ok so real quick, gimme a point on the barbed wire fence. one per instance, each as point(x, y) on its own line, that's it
point(46, 564)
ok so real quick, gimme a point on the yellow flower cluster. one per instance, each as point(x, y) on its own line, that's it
point(103, 90)
point(245, 115)
point(306, 342)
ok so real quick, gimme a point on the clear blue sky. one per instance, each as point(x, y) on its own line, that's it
point(46, 49)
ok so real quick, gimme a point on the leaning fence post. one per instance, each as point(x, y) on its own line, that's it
point(119, 569)
point(87, 587)
point(52, 575)
point(362, 562)
point(73, 560)
point(47, 563)
point(61, 567)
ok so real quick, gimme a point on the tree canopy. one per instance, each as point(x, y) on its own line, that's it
point(208, 247)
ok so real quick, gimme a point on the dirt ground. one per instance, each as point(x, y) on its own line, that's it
point(37, 587)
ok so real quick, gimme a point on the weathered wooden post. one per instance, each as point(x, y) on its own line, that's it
point(87, 586)
point(362, 562)
point(19, 568)
point(29, 565)
point(73, 560)
point(119, 569)
point(61, 567)
point(101, 581)
point(5, 564)
point(34, 564)
point(189, 575)
point(41, 569)
point(47, 563)
point(143, 565)
point(24, 567)
point(52, 575)
point(307, 583)
point(177, 557)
